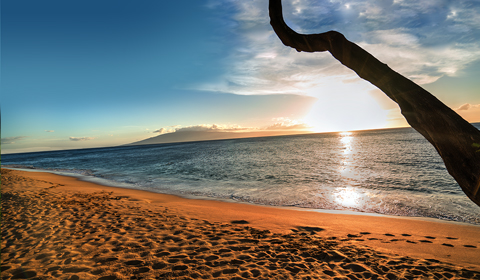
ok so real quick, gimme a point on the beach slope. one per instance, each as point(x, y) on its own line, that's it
point(56, 227)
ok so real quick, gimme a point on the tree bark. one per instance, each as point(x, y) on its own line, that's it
point(456, 140)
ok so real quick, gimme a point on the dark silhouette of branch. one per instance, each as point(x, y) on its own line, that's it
point(454, 138)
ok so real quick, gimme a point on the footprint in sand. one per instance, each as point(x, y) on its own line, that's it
point(311, 229)
point(239, 222)
point(134, 262)
point(108, 277)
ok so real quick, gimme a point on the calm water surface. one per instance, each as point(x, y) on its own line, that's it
point(393, 171)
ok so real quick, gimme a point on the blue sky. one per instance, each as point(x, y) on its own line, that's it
point(78, 74)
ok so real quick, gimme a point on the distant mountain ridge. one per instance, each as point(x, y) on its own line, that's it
point(191, 136)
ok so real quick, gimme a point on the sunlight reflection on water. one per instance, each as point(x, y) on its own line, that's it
point(348, 197)
point(346, 140)
point(393, 171)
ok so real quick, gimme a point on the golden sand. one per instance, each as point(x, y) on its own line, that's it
point(56, 227)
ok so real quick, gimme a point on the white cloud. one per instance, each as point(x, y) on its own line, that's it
point(288, 124)
point(465, 107)
point(420, 64)
point(164, 130)
point(423, 40)
point(469, 112)
point(279, 124)
point(213, 127)
point(468, 106)
point(81, 138)
point(12, 140)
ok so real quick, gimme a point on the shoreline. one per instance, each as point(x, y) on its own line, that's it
point(434, 246)
point(117, 185)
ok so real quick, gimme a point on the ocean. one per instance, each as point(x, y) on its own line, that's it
point(388, 171)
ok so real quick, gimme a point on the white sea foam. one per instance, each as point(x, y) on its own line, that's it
point(394, 171)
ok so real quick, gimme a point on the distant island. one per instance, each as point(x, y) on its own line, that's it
point(191, 136)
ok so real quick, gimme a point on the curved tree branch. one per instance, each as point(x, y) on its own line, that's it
point(453, 137)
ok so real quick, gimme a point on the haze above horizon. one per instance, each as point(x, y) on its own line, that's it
point(83, 74)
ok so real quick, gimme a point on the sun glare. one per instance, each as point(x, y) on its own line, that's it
point(346, 139)
point(345, 106)
point(347, 197)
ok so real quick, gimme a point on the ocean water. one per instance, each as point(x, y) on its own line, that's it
point(391, 171)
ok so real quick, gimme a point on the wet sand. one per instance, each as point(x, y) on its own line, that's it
point(56, 227)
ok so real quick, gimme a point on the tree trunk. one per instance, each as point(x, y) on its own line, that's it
point(456, 140)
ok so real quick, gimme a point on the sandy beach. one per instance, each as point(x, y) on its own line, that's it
point(57, 227)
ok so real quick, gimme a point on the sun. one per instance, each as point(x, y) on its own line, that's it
point(347, 111)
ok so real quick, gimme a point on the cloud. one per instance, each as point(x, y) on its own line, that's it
point(287, 124)
point(12, 140)
point(465, 107)
point(468, 107)
point(81, 138)
point(283, 126)
point(164, 130)
point(201, 127)
point(423, 64)
point(469, 112)
point(213, 127)
point(423, 40)
point(49, 130)
point(279, 125)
